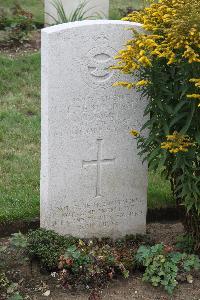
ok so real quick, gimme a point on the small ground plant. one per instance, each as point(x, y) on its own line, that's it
point(16, 26)
point(47, 246)
point(162, 266)
point(185, 243)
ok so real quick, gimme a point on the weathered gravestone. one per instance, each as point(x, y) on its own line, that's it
point(92, 8)
point(93, 183)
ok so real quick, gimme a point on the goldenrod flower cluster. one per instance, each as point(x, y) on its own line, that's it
point(177, 142)
point(172, 31)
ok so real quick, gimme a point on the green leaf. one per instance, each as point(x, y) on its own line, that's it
point(178, 107)
point(177, 119)
point(16, 297)
point(188, 120)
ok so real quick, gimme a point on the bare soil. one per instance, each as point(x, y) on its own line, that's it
point(34, 284)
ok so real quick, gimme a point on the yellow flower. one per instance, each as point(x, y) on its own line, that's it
point(196, 96)
point(196, 81)
point(134, 133)
point(128, 85)
point(145, 61)
point(177, 142)
point(142, 82)
point(171, 32)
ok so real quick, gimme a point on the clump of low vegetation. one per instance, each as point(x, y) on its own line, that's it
point(16, 26)
point(46, 246)
point(185, 243)
point(94, 262)
point(91, 263)
point(165, 266)
point(84, 262)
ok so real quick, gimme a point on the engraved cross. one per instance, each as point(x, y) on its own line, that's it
point(98, 163)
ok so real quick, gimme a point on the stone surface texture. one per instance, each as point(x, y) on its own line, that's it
point(93, 183)
point(93, 7)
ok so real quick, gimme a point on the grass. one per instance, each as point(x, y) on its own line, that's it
point(19, 137)
point(159, 191)
point(20, 142)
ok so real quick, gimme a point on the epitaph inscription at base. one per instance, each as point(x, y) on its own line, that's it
point(93, 183)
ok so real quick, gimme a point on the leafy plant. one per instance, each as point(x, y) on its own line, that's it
point(47, 246)
point(78, 14)
point(165, 60)
point(186, 243)
point(84, 262)
point(162, 266)
point(18, 240)
point(16, 296)
point(91, 263)
point(17, 26)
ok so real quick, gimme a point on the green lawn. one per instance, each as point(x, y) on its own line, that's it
point(19, 137)
point(20, 142)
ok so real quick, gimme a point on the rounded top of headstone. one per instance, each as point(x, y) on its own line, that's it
point(65, 26)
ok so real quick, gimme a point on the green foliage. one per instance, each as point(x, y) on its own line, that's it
point(17, 26)
point(93, 262)
point(36, 7)
point(19, 240)
point(83, 262)
point(162, 266)
point(171, 111)
point(16, 296)
point(47, 246)
point(168, 75)
point(185, 243)
point(119, 8)
point(78, 14)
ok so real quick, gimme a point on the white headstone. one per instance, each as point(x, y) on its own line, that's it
point(92, 7)
point(93, 183)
